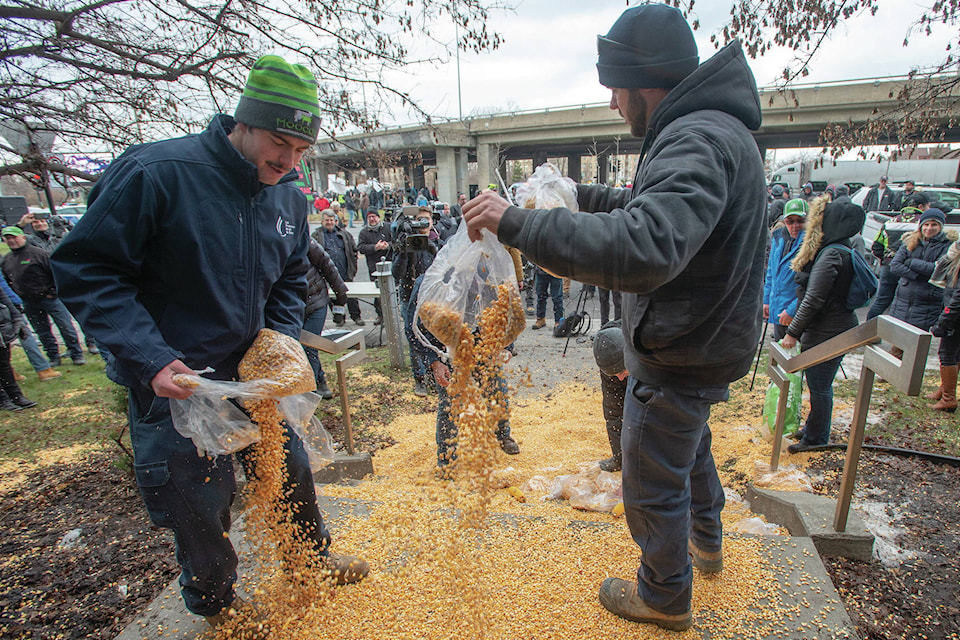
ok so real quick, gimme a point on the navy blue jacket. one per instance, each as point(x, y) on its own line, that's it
point(184, 254)
point(916, 301)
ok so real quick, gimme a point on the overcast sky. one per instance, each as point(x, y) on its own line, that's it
point(549, 56)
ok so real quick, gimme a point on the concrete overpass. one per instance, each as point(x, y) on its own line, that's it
point(791, 119)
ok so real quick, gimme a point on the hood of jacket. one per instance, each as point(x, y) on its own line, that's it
point(828, 223)
point(722, 83)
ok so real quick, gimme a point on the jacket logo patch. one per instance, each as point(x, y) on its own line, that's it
point(285, 228)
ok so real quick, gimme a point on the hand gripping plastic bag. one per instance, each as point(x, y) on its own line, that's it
point(791, 422)
point(275, 366)
point(465, 278)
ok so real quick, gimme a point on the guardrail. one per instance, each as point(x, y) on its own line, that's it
point(906, 374)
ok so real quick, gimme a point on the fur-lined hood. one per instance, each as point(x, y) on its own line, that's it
point(828, 222)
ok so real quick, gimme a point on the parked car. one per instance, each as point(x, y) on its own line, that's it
point(948, 195)
point(71, 212)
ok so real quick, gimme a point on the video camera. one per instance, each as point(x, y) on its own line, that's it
point(408, 236)
point(438, 209)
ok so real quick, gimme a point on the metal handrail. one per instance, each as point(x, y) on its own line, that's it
point(906, 374)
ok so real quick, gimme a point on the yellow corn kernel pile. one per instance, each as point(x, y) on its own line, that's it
point(280, 359)
point(443, 322)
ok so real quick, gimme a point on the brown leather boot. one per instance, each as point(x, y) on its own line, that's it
point(936, 394)
point(540, 323)
point(948, 382)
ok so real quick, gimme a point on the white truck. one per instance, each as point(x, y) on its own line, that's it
point(865, 172)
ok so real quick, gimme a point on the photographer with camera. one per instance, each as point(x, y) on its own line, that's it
point(414, 249)
point(47, 230)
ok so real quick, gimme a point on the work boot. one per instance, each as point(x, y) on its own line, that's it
point(19, 377)
point(346, 569)
point(948, 382)
point(509, 446)
point(48, 374)
point(620, 597)
point(540, 323)
point(359, 322)
point(247, 620)
point(612, 464)
point(79, 361)
point(419, 389)
point(55, 361)
point(323, 390)
point(705, 561)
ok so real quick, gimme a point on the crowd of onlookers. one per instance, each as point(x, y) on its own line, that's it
point(28, 300)
point(813, 241)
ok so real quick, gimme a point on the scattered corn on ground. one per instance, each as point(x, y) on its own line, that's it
point(530, 570)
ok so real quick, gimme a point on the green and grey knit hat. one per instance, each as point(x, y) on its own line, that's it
point(280, 97)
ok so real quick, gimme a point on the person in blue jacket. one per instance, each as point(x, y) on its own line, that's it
point(780, 288)
point(189, 247)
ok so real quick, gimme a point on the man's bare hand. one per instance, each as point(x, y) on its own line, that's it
point(484, 212)
point(441, 373)
point(785, 318)
point(163, 385)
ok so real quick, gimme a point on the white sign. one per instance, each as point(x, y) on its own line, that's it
point(20, 137)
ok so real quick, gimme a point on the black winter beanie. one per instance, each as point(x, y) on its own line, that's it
point(649, 47)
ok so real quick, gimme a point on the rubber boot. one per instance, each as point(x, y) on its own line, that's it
point(614, 462)
point(948, 382)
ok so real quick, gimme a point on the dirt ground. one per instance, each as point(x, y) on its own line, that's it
point(51, 587)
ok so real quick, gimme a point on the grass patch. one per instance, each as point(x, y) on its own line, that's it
point(81, 407)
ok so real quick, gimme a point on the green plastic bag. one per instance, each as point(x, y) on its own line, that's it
point(791, 423)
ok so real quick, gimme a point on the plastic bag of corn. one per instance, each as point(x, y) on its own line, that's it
point(278, 364)
point(547, 188)
point(465, 279)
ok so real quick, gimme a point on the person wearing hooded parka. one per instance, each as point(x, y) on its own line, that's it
point(824, 267)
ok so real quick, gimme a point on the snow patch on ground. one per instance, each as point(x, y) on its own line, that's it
point(880, 519)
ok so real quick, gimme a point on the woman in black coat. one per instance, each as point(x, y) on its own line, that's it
point(916, 301)
point(11, 397)
point(824, 267)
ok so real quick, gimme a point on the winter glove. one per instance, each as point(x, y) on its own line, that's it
point(945, 325)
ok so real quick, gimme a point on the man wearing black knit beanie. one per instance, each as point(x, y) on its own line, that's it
point(686, 247)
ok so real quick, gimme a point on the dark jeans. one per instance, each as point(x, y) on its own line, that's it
point(816, 429)
point(192, 494)
point(949, 350)
point(8, 381)
point(671, 491)
point(605, 295)
point(314, 324)
point(885, 292)
point(545, 282)
point(417, 366)
point(447, 430)
point(40, 312)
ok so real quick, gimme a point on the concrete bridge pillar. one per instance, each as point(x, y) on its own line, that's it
point(488, 163)
point(447, 174)
point(463, 173)
point(573, 168)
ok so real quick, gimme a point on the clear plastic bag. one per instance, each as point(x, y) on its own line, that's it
point(547, 188)
point(465, 278)
point(279, 364)
point(217, 426)
point(786, 478)
point(756, 526)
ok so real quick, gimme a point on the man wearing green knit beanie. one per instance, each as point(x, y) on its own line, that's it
point(188, 249)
